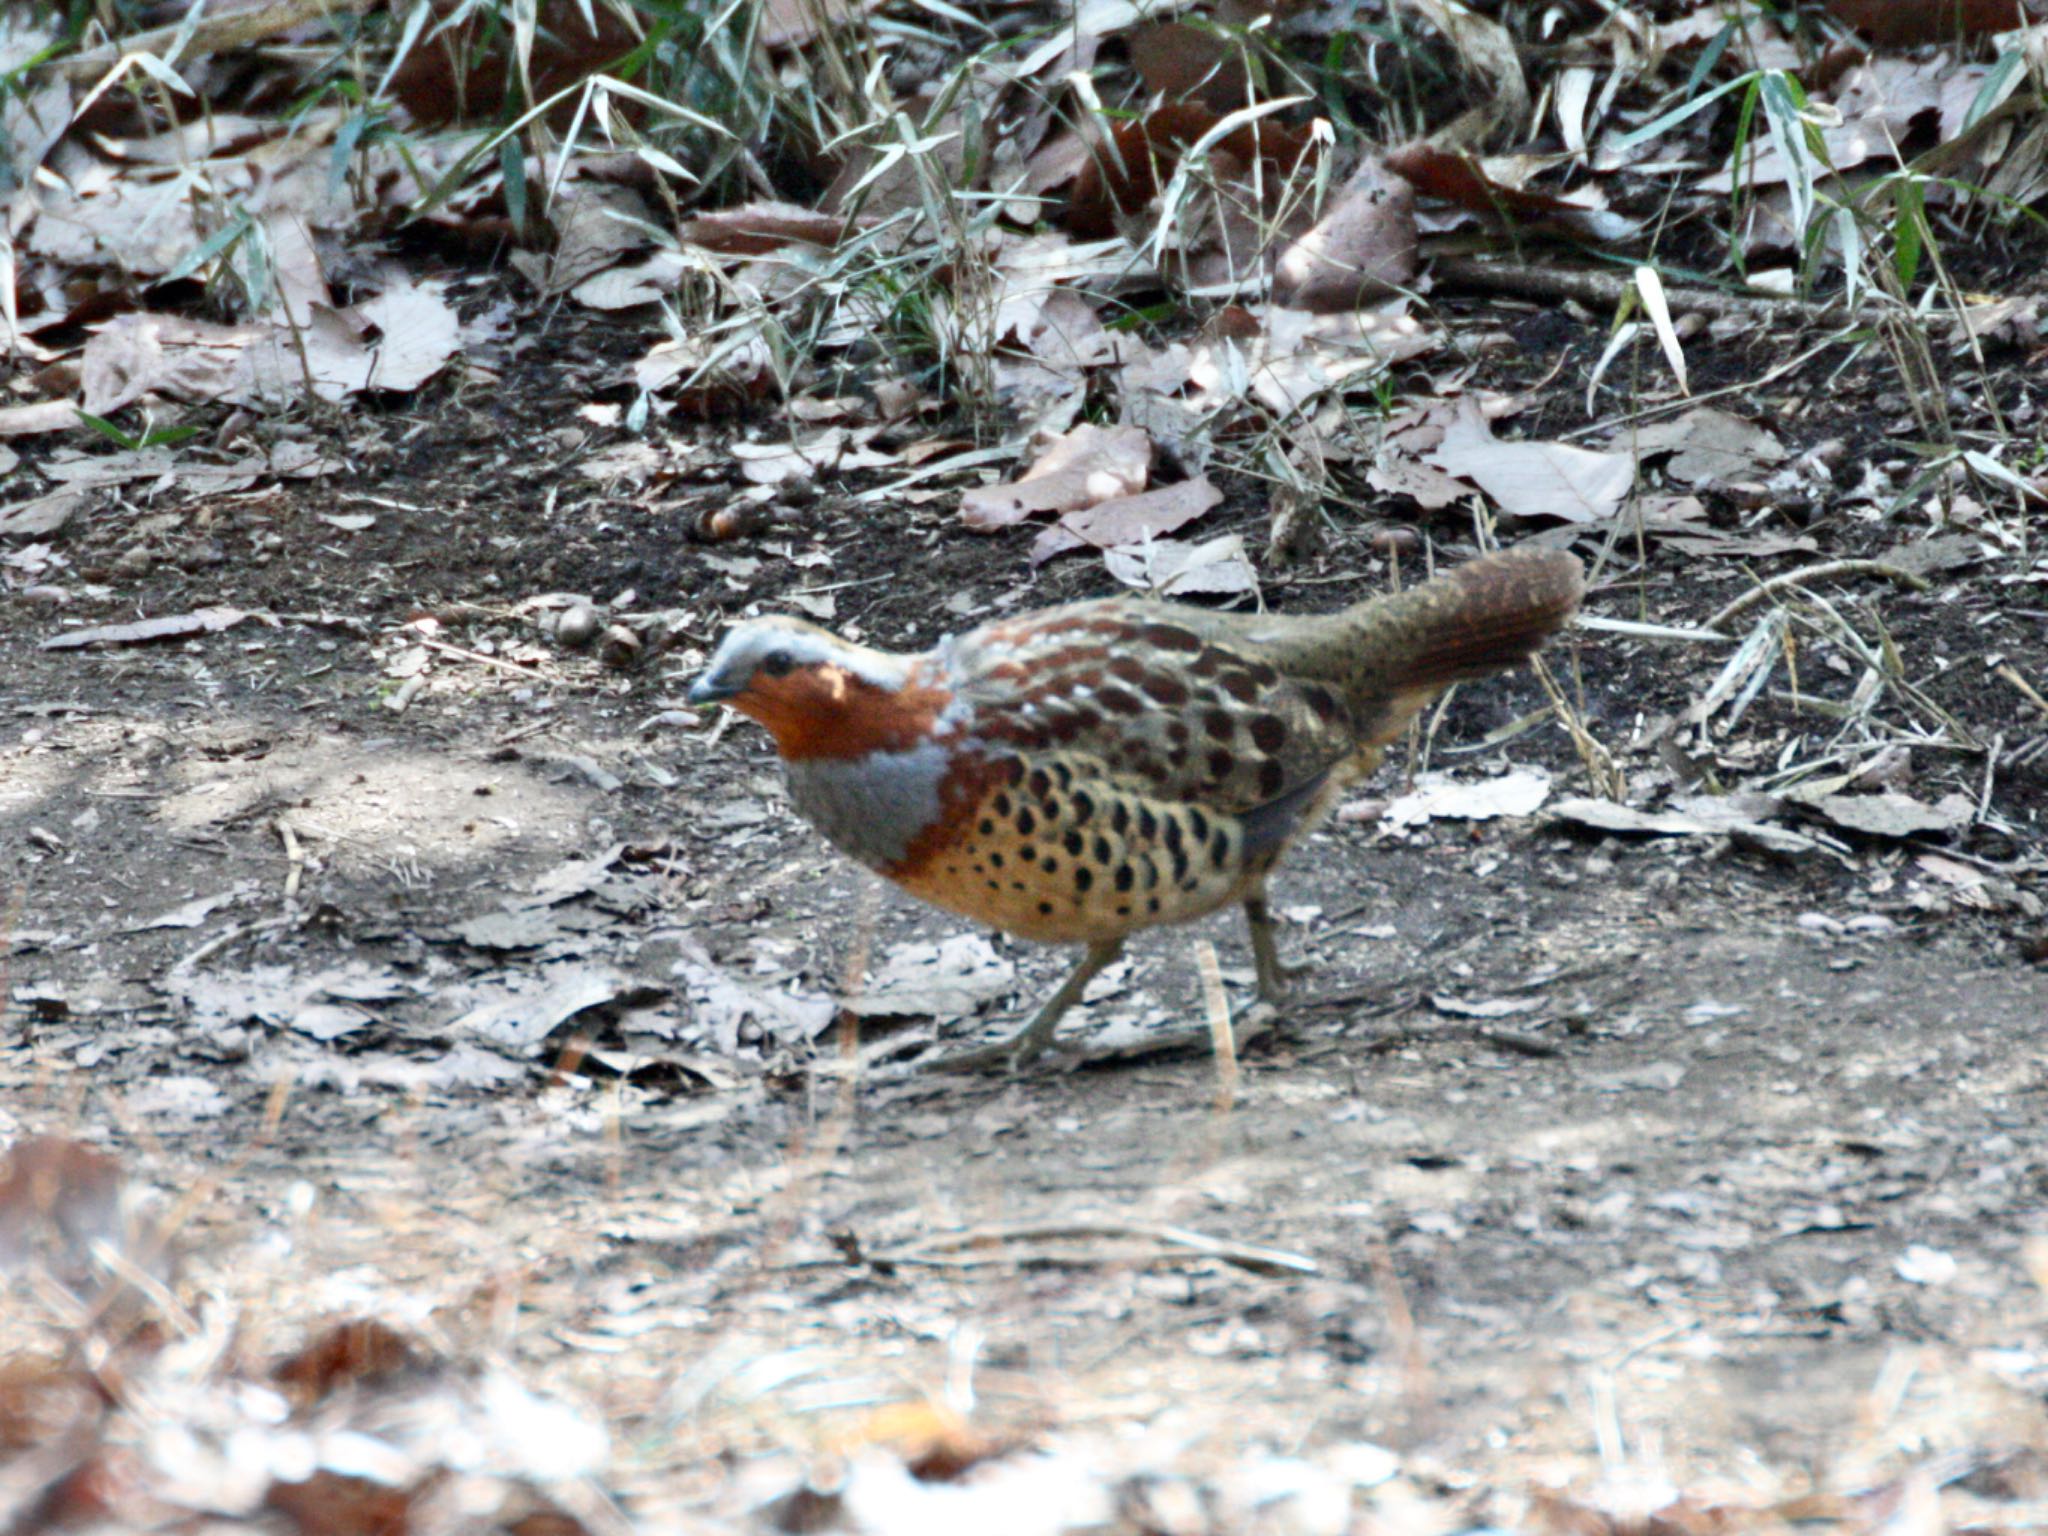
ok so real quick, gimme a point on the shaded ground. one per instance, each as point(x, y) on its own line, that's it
point(1664, 1158)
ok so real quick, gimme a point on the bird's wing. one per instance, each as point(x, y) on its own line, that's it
point(1160, 698)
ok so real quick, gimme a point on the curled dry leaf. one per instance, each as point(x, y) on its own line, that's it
point(1902, 23)
point(1138, 158)
point(1079, 468)
point(1470, 184)
point(758, 228)
point(1181, 62)
point(1362, 247)
point(465, 68)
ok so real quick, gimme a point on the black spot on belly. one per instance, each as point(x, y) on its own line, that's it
point(1239, 686)
point(1120, 701)
point(1124, 878)
point(1120, 818)
point(1148, 824)
point(1051, 807)
point(1163, 688)
point(1075, 842)
point(1001, 804)
point(1045, 909)
point(1152, 905)
point(1180, 867)
point(1264, 675)
point(1013, 773)
point(1269, 733)
point(1221, 764)
point(1083, 877)
point(995, 861)
point(1219, 723)
point(1129, 668)
point(1173, 834)
point(1039, 785)
point(1052, 865)
point(1322, 701)
point(1272, 778)
point(1084, 807)
point(1169, 637)
point(1177, 732)
point(1198, 823)
point(1025, 820)
point(1102, 850)
point(1027, 855)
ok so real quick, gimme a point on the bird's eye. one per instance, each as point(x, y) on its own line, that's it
point(778, 663)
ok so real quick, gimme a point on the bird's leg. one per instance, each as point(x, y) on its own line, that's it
point(1031, 1041)
point(1273, 974)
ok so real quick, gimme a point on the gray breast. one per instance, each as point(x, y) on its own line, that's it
point(871, 808)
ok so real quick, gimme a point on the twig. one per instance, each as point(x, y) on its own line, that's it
point(223, 939)
point(1510, 1041)
point(517, 669)
point(2005, 670)
point(1260, 1261)
point(1777, 584)
point(1602, 288)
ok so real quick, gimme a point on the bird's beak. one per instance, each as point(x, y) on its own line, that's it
point(709, 690)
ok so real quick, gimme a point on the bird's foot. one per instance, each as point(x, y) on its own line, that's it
point(1277, 979)
point(1008, 1056)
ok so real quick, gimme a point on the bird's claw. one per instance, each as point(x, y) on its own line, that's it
point(1007, 1056)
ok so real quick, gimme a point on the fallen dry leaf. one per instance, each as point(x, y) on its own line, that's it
point(1216, 568)
point(202, 621)
point(1079, 468)
point(1706, 444)
point(1534, 479)
point(1126, 520)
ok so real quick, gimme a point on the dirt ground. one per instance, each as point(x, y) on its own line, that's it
point(1620, 1162)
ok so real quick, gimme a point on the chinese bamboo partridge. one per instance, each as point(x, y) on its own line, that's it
point(1080, 773)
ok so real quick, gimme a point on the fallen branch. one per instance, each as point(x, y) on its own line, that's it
point(1604, 289)
point(211, 34)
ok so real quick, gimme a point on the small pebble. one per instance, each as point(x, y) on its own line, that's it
point(578, 626)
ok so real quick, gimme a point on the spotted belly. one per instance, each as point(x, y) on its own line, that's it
point(1052, 852)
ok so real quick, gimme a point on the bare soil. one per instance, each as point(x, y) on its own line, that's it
point(1673, 1139)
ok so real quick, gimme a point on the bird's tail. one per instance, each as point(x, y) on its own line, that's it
point(1399, 651)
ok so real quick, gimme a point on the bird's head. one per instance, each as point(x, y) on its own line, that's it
point(818, 695)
